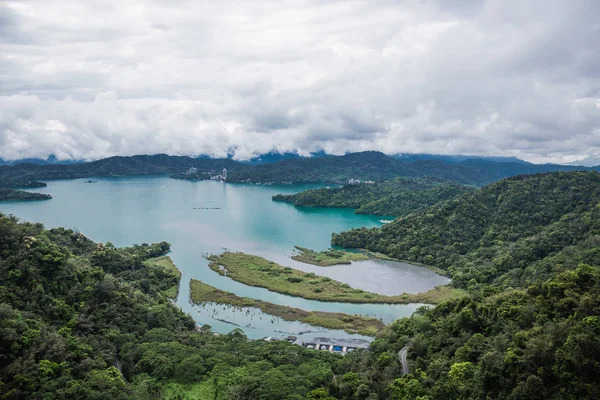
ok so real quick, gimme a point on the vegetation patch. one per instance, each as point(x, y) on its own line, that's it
point(437, 295)
point(190, 391)
point(257, 271)
point(328, 257)
point(502, 234)
point(201, 293)
point(398, 196)
point(21, 195)
point(165, 266)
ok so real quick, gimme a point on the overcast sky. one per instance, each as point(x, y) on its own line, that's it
point(96, 78)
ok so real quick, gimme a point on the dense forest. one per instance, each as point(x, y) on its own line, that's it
point(80, 319)
point(395, 197)
point(528, 250)
point(511, 233)
point(85, 320)
point(21, 195)
point(368, 165)
point(536, 344)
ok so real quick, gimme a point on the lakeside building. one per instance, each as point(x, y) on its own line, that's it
point(192, 171)
point(220, 177)
point(354, 182)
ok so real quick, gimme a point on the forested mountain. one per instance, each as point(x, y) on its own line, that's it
point(542, 343)
point(376, 166)
point(369, 165)
point(398, 196)
point(510, 233)
point(135, 165)
point(528, 250)
point(82, 320)
point(446, 158)
point(51, 159)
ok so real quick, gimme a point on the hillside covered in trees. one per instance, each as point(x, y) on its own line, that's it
point(527, 249)
point(83, 320)
point(395, 197)
point(509, 234)
point(542, 343)
point(368, 165)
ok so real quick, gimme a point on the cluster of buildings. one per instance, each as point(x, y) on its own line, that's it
point(213, 174)
point(328, 347)
point(357, 182)
point(221, 177)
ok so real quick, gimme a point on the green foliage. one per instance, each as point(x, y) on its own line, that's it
point(81, 320)
point(328, 257)
point(21, 195)
point(541, 343)
point(509, 234)
point(368, 165)
point(396, 197)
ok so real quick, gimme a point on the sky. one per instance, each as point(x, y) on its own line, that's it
point(90, 79)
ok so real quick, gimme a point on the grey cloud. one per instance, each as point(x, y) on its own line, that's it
point(98, 78)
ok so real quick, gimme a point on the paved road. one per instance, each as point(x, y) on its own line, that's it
point(402, 358)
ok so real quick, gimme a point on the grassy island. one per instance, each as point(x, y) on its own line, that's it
point(201, 292)
point(328, 257)
point(257, 271)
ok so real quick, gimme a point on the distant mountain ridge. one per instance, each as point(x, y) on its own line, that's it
point(52, 159)
point(274, 156)
point(451, 159)
point(368, 165)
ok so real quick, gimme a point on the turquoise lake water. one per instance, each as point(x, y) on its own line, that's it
point(210, 217)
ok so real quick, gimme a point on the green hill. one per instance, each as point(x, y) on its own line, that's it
point(535, 344)
point(83, 320)
point(368, 165)
point(395, 197)
point(528, 250)
point(505, 234)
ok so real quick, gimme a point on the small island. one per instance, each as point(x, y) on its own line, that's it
point(328, 257)
point(256, 271)
point(200, 293)
point(21, 195)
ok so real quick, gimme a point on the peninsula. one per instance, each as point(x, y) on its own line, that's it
point(256, 271)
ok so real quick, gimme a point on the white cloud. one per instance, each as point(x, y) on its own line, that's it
point(92, 79)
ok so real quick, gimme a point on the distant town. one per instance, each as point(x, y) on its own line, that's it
point(213, 174)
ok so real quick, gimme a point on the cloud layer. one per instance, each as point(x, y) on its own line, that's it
point(91, 79)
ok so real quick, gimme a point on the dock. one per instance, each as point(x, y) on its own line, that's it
point(331, 348)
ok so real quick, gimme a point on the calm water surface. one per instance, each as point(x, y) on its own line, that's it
point(209, 217)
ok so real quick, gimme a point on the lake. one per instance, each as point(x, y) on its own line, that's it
point(210, 217)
